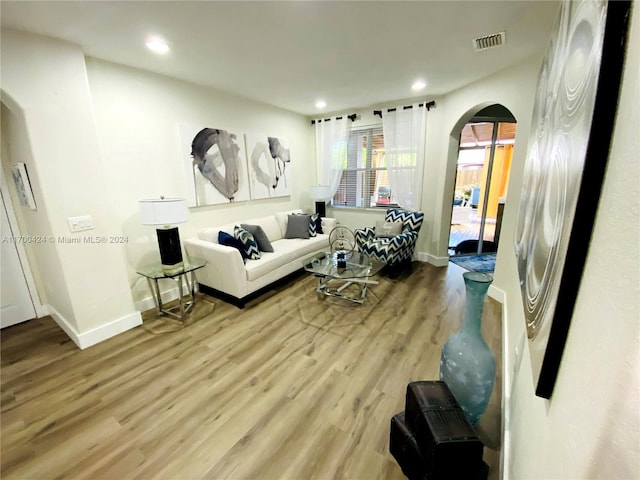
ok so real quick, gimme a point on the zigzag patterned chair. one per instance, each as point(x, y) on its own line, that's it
point(397, 250)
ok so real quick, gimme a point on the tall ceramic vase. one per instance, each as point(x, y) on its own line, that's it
point(467, 364)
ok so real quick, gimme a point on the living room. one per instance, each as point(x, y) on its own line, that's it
point(98, 137)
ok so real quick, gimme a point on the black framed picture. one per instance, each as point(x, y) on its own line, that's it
point(573, 118)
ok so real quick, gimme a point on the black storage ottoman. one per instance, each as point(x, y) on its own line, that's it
point(433, 440)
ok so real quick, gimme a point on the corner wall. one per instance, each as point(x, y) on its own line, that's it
point(590, 428)
point(102, 137)
point(44, 85)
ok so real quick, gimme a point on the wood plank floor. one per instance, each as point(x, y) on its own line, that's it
point(291, 387)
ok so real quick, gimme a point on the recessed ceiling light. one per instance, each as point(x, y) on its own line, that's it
point(321, 104)
point(157, 45)
point(418, 85)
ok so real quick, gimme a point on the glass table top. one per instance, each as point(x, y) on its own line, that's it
point(356, 265)
point(155, 271)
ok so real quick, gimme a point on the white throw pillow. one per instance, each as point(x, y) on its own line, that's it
point(388, 229)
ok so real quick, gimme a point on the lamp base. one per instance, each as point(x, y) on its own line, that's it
point(321, 209)
point(173, 269)
point(170, 249)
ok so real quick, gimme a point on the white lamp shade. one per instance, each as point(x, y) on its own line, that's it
point(320, 192)
point(163, 211)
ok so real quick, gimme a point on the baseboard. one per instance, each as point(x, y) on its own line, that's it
point(111, 329)
point(41, 310)
point(509, 373)
point(64, 324)
point(168, 295)
point(149, 303)
point(432, 259)
point(96, 335)
point(497, 295)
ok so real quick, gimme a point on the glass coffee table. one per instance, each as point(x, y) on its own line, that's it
point(342, 269)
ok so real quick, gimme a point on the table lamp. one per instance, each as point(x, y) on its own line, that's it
point(320, 193)
point(166, 212)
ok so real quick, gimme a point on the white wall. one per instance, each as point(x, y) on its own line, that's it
point(590, 427)
point(97, 138)
point(44, 85)
point(138, 115)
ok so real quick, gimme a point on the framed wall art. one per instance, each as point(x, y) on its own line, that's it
point(23, 185)
point(571, 129)
point(269, 161)
point(215, 164)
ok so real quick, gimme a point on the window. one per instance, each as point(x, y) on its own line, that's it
point(364, 182)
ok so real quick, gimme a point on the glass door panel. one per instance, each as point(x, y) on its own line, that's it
point(484, 163)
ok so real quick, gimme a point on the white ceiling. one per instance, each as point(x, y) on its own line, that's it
point(289, 54)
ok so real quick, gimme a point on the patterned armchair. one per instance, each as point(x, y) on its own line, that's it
point(392, 250)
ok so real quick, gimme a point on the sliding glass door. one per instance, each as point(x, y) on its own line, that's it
point(484, 162)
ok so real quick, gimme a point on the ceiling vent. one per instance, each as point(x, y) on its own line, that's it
point(489, 41)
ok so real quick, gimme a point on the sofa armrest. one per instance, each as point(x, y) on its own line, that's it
point(404, 242)
point(225, 268)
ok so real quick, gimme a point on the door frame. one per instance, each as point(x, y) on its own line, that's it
point(40, 308)
point(456, 134)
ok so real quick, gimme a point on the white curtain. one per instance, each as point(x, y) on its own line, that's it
point(331, 151)
point(404, 144)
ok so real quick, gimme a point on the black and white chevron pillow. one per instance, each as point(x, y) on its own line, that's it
point(249, 243)
point(314, 223)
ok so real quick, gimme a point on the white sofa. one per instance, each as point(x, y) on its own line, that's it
point(228, 277)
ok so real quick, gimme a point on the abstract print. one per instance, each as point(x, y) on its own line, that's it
point(566, 137)
point(269, 166)
point(216, 166)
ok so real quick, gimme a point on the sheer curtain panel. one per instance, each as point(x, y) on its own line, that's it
point(404, 142)
point(331, 151)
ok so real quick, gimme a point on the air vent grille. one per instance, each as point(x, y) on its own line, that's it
point(489, 41)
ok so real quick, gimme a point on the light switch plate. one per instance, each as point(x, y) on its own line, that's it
point(78, 224)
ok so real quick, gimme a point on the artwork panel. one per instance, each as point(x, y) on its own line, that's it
point(23, 185)
point(269, 163)
point(563, 174)
point(215, 164)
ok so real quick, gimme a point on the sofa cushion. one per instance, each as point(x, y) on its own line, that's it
point(285, 251)
point(282, 220)
point(230, 241)
point(269, 225)
point(260, 237)
point(248, 243)
point(298, 226)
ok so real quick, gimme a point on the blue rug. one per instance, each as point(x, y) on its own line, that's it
point(484, 263)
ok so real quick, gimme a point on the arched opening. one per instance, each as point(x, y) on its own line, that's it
point(485, 150)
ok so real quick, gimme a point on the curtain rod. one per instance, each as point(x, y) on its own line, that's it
point(430, 104)
point(351, 117)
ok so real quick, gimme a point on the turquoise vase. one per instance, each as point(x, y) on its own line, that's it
point(467, 364)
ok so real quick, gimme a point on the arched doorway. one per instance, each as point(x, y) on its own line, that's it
point(482, 174)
